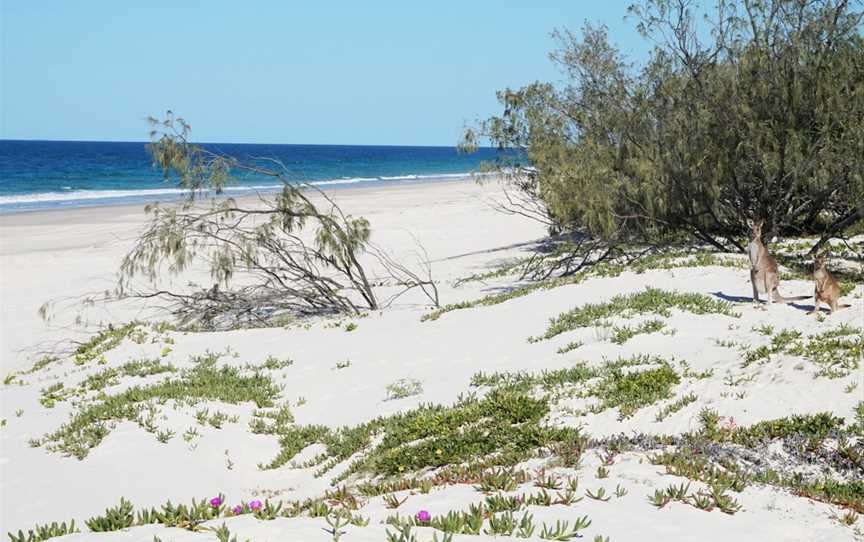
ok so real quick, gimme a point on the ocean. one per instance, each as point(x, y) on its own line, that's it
point(38, 175)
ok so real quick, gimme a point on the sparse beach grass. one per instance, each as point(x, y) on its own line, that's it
point(522, 440)
point(92, 422)
point(649, 301)
point(599, 315)
point(837, 353)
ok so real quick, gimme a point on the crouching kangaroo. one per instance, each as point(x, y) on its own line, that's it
point(827, 287)
point(764, 273)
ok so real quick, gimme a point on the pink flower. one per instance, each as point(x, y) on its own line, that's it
point(216, 502)
point(237, 510)
point(423, 516)
point(255, 505)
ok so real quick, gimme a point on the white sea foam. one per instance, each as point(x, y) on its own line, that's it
point(68, 195)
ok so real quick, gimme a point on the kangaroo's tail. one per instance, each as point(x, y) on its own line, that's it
point(780, 299)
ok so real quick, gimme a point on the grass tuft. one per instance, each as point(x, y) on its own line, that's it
point(93, 422)
point(649, 301)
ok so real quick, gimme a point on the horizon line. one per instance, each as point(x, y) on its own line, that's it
point(2, 139)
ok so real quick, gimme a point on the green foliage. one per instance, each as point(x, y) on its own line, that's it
point(622, 334)
point(569, 347)
point(223, 534)
point(179, 515)
point(812, 427)
point(272, 421)
point(716, 497)
point(501, 524)
point(806, 434)
point(671, 259)
point(504, 426)
point(392, 501)
point(272, 363)
point(138, 368)
point(503, 503)
point(403, 388)
point(114, 519)
point(41, 363)
point(493, 299)
point(649, 301)
point(296, 257)
point(52, 394)
point(763, 117)
point(102, 342)
point(403, 535)
point(674, 407)
point(617, 383)
point(91, 423)
point(858, 428)
point(548, 380)
point(459, 522)
point(501, 271)
point(562, 531)
point(837, 353)
point(502, 479)
point(39, 533)
point(336, 522)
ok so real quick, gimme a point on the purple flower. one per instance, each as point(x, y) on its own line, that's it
point(237, 510)
point(423, 516)
point(255, 505)
point(216, 502)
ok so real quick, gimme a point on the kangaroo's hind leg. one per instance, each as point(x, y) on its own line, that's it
point(769, 291)
point(815, 305)
point(753, 280)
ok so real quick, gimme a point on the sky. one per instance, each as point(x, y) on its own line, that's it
point(324, 72)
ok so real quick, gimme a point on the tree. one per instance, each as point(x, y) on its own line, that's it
point(763, 118)
point(295, 256)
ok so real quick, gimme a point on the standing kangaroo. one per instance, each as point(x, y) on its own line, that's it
point(827, 287)
point(764, 273)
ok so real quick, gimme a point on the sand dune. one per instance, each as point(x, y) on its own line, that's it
point(339, 376)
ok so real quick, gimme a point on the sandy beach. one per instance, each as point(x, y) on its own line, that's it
point(432, 272)
point(339, 376)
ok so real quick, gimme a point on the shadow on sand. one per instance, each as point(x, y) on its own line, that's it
point(749, 299)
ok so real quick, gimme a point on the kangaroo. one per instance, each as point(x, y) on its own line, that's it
point(764, 273)
point(827, 287)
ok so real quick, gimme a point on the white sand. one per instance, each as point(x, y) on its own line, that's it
point(68, 253)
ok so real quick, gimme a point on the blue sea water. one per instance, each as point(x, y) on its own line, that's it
point(60, 174)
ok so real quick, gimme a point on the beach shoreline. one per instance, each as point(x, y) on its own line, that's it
point(84, 247)
point(78, 213)
point(244, 194)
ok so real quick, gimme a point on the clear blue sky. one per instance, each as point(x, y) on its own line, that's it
point(353, 72)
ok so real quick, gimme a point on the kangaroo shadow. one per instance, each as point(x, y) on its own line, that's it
point(749, 299)
point(733, 298)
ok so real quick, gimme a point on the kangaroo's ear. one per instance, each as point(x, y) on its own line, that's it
point(749, 223)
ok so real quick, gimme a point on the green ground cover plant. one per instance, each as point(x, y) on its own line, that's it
point(673, 259)
point(648, 301)
point(99, 344)
point(92, 422)
point(39, 533)
point(836, 353)
point(402, 388)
